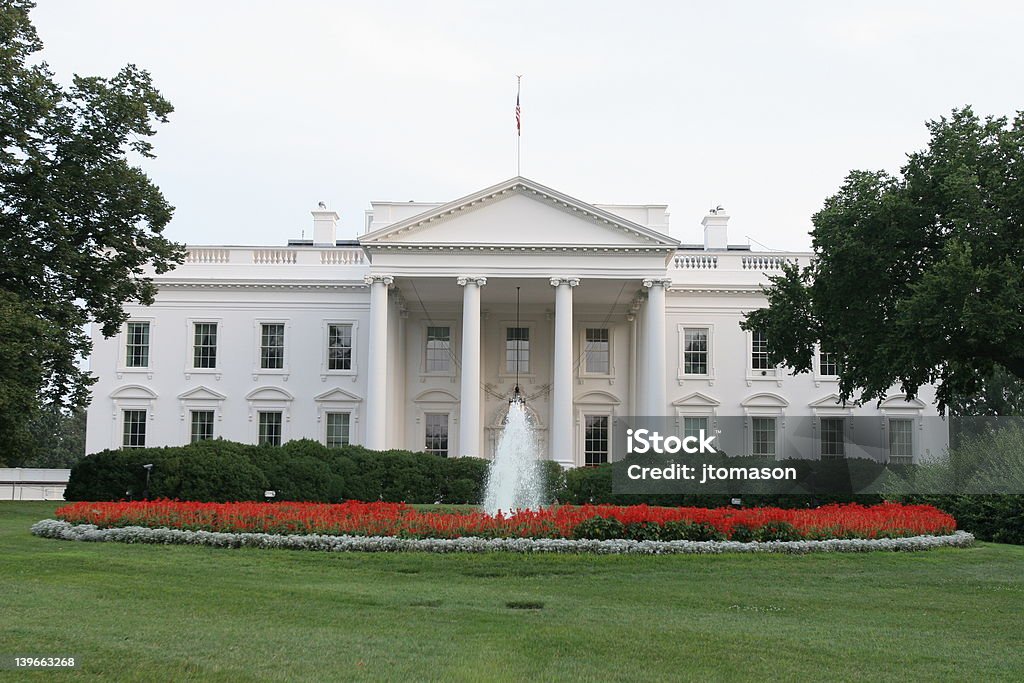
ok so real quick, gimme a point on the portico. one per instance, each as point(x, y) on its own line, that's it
point(581, 271)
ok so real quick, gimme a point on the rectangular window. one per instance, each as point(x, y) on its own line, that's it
point(436, 433)
point(517, 350)
point(202, 425)
point(595, 440)
point(137, 351)
point(695, 351)
point(339, 347)
point(759, 351)
point(439, 345)
point(763, 433)
point(693, 426)
point(134, 429)
point(270, 429)
point(598, 351)
point(204, 345)
point(338, 429)
point(272, 346)
point(827, 364)
point(901, 441)
point(833, 444)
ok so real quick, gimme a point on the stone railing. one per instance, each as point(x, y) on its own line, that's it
point(695, 261)
point(274, 256)
point(284, 256)
point(734, 261)
point(764, 262)
point(342, 257)
point(207, 255)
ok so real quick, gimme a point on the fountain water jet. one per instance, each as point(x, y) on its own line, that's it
point(515, 479)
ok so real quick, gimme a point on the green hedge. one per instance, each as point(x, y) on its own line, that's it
point(996, 518)
point(594, 485)
point(304, 470)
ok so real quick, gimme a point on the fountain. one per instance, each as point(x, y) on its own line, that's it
point(515, 480)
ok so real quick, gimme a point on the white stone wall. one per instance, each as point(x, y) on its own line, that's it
point(411, 390)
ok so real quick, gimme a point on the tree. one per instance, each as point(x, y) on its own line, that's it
point(1001, 394)
point(58, 437)
point(79, 224)
point(916, 278)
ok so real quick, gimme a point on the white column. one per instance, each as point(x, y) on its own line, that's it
point(377, 370)
point(470, 434)
point(562, 420)
point(633, 364)
point(655, 403)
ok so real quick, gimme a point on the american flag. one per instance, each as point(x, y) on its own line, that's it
point(519, 123)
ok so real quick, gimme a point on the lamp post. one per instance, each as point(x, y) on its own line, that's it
point(149, 468)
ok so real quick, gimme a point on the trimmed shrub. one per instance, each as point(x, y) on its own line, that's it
point(995, 518)
point(301, 470)
point(742, 533)
point(690, 531)
point(600, 529)
point(777, 531)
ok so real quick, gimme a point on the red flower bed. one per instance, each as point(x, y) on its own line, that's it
point(398, 519)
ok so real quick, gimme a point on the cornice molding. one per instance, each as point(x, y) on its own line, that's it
point(259, 284)
point(453, 248)
point(716, 291)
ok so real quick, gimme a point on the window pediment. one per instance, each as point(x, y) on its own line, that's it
point(269, 394)
point(696, 399)
point(201, 393)
point(764, 400)
point(133, 391)
point(337, 395)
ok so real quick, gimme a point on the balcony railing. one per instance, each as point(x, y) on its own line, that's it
point(735, 261)
point(345, 256)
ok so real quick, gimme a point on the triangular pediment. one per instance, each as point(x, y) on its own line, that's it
point(201, 393)
point(337, 395)
point(696, 399)
point(518, 212)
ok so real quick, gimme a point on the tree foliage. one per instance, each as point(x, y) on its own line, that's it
point(916, 278)
point(80, 225)
point(58, 439)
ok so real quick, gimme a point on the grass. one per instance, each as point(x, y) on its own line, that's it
point(150, 613)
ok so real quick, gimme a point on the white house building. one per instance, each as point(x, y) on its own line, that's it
point(408, 337)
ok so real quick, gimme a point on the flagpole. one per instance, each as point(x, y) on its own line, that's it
point(519, 126)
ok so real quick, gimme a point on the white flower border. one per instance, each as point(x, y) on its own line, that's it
point(52, 528)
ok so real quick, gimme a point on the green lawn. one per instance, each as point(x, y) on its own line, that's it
point(153, 613)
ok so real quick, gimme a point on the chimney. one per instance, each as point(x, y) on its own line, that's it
point(715, 233)
point(325, 226)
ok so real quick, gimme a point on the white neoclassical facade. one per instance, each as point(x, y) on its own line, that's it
point(409, 336)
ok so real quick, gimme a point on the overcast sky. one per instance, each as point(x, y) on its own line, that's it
point(762, 107)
